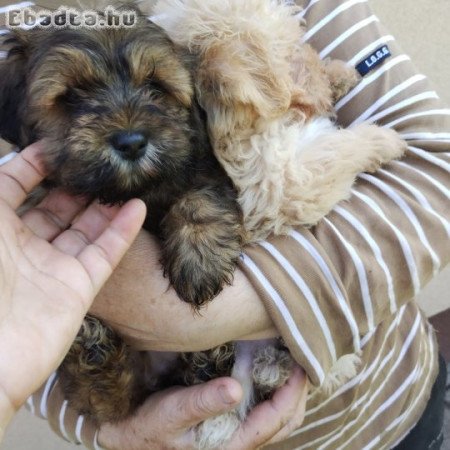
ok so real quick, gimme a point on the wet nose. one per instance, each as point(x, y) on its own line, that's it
point(130, 145)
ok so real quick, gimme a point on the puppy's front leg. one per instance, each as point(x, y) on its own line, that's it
point(342, 78)
point(328, 165)
point(202, 240)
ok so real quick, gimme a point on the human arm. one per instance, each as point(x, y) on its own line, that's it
point(163, 321)
point(374, 252)
point(48, 279)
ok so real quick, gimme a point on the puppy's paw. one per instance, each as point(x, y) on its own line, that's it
point(383, 145)
point(196, 279)
point(342, 78)
point(214, 433)
point(200, 367)
point(202, 243)
point(272, 367)
point(99, 374)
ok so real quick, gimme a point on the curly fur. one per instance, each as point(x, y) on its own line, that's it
point(269, 103)
point(100, 376)
point(260, 367)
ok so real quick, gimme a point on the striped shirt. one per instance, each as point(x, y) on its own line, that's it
point(348, 284)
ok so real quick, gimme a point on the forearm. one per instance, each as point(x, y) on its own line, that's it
point(140, 304)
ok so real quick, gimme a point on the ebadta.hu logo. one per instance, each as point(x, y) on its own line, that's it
point(65, 17)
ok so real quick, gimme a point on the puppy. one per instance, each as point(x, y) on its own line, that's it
point(269, 101)
point(118, 112)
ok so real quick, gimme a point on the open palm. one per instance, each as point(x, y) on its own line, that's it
point(50, 272)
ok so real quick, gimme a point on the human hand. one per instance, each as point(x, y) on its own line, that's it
point(274, 420)
point(167, 419)
point(49, 274)
point(162, 321)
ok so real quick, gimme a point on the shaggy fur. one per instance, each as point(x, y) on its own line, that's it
point(260, 367)
point(80, 89)
point(85, 91)
point(100, 376)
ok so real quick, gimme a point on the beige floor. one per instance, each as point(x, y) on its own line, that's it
point(422, 26)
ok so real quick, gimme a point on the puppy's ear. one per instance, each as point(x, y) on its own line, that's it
point(312, 95)
point(245, 49)
point(13, 88)
point(241, 74)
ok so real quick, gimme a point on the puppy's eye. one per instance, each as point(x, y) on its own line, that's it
point(76, 101)
point(70, 98)
point(153, 109)
point(156, 88)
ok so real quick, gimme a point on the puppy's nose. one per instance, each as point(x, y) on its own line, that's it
point(130, 145)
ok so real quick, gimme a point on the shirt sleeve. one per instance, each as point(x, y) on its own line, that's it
point(49, 404)
point(327, 288)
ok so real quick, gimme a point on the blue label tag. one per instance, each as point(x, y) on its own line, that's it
point(373, 60)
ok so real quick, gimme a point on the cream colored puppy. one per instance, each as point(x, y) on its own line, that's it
point(269, 100)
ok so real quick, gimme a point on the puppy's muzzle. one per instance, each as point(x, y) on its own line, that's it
point(129, 145)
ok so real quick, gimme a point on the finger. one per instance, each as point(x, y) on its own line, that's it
point(100, 258)
point(86, 229)
point(294, 423)
point(198, 403)
point(20, 175)
point(271, 416)
point(54, 214)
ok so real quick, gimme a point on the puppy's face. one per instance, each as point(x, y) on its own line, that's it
point(116, 106)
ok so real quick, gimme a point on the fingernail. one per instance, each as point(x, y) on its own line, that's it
point(227, 395)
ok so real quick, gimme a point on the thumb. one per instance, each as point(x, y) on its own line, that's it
point(198, 403)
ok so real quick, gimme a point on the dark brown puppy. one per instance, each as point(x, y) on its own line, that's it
point(118, 111)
